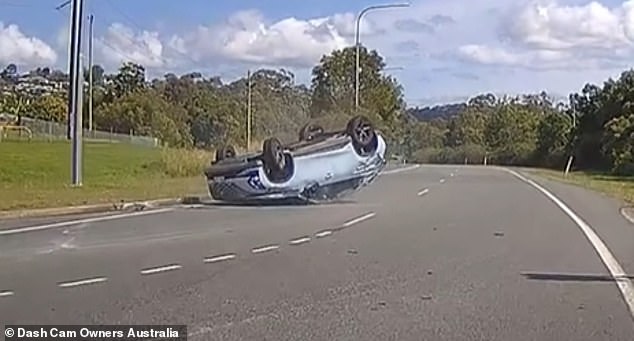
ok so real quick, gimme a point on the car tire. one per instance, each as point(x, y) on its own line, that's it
point(274, 159)
point(363, 135)
point(310, 131)
point(225, 152)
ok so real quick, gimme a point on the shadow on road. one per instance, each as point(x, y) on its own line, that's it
point(571, 277)
point(272, 203)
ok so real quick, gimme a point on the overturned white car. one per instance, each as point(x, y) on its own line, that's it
point(320, 166)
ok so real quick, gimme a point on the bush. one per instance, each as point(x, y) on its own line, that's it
point(185, 162)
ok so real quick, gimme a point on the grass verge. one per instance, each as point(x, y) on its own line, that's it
point(615, 186)
point(36, 174)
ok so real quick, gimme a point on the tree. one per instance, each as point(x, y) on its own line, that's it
point(130, 77)
point(145, 112)
point(17, 104)
point(50, 107)
point(9, 72)
point(333, 86)
point(511, 134)
point(553, 138)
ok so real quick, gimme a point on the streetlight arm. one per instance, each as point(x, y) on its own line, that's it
point(370, 8)
point(358, 47)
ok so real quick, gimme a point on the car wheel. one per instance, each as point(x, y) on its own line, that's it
point(225, 152)
point(274, 157)
point(310, 131)
point(362, 133)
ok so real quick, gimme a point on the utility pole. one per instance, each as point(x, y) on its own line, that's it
point(248, 110)
point(75, 90)
point(90, 37)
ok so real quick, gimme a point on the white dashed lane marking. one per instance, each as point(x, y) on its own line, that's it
point(399, 170)
point(172, 267)
point(82, 282)
point(423, 192)
point(265, 248)
point(221, 258)
point(150, 271)
point(323, 234)
point(299, 241)
point(359, 219)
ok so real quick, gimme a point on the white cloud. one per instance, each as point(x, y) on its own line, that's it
point(17, 48)
point(548, 35)
point(489, 40)
point(120, 43)
point(247, 37)
point(550, 25)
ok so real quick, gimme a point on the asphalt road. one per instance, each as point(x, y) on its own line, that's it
point(431, 253)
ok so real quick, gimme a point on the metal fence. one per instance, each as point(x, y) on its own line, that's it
point(52, 131)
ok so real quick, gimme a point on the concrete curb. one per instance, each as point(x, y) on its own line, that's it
point(99, 208)
point(628, 213)
point(116, 207)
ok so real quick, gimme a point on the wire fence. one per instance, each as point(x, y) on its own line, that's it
point(54, 131)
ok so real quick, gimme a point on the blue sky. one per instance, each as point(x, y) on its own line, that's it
point(448, 49)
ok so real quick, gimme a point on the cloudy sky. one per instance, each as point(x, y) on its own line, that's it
point(447, 49)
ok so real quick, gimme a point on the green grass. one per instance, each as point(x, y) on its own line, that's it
point(36, 174)
point(615, 186)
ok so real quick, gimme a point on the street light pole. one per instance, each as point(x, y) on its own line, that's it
point(358, 46)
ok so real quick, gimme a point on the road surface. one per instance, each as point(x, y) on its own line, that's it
point(427, 253)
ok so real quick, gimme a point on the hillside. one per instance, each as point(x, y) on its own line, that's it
point(439, 111)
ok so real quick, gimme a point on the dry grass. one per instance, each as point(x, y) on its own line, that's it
point(615, 186)
point(185, 162)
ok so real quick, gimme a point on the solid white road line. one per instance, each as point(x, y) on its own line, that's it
point(265, 248)
point(215, 259)
point(626, 215)
point(6, 293)
point(299, 241)
point(358, 219)
point(323, 234)
point(398, 170)
point(423, 192)
point(83, 282)
point(82, 221)
point(616, 270)
point(161, 269)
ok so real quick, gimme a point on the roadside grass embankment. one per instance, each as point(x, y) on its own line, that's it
point(620, 187)
point(36, 174)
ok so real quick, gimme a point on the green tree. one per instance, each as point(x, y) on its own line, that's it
point(553, 138)
point(333, 86)
point(130, 77)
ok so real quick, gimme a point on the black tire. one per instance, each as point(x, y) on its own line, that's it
point(310, 131)
point(225, 152)
point(273, 157)
point(362, 133)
